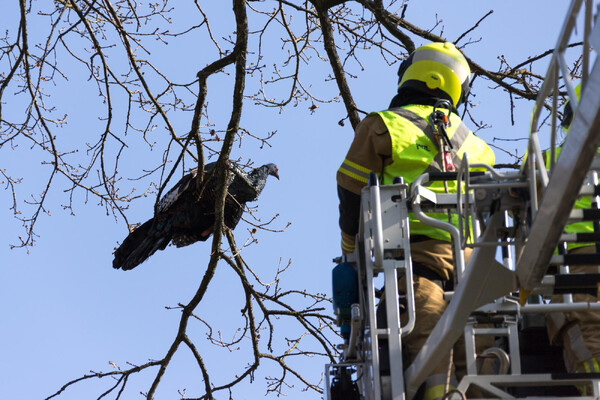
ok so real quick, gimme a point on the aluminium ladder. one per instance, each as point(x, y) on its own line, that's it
point(485, 286)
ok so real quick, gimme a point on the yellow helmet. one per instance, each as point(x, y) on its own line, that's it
point(439, 69)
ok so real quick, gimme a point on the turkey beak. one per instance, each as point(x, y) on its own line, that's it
point(275, 173)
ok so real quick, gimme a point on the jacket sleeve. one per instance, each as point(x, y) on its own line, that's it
point(371, 150)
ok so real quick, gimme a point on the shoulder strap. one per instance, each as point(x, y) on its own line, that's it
point(458, 137)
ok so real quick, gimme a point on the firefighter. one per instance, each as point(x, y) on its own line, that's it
point(401, 141)
point(578, 332)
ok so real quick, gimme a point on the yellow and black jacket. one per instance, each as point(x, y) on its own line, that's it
point(400, 142)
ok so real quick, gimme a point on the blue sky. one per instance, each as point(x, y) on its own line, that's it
point(65, 311)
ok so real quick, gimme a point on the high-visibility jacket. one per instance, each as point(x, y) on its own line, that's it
point(415, 151)
point(584, 202)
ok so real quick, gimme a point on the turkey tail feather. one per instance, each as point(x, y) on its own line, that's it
point(138, 246)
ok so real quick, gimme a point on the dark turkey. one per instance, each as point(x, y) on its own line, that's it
point(186, 214)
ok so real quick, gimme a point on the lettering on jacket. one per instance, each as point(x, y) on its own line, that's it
point(423, 147)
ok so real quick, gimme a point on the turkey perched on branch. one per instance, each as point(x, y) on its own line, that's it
point(186, 214)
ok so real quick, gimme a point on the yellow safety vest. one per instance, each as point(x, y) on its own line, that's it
point(415, 152)
point(584, 202)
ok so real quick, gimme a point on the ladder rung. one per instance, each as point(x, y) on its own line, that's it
point(590, 190)
point(583, 375)
point(596, 163)
point(576, 283)
point(576, 259)
point(580, 237)
point(585, 214)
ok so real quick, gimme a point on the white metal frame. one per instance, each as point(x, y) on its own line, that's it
point(484, 284)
